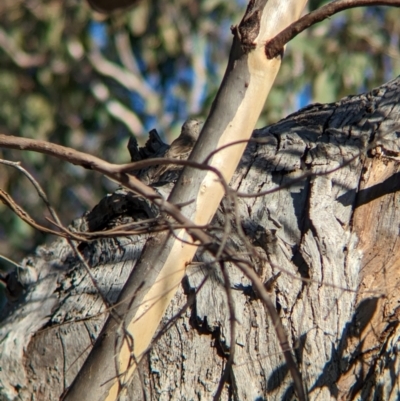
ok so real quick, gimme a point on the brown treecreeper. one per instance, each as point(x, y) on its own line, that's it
point(181, 147)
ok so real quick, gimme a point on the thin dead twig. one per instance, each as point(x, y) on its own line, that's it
point(233, 320)
point(37, 186)
point(279, 329)
point(6, 198)
point(23, 215)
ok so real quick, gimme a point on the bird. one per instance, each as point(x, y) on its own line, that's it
point(181, 147)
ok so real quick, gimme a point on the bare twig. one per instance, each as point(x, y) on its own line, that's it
point(20, 57)
point(276, 44)
point(38, 188)
point(233, 320)
point(10, 261)
point(280, 331)
point(6, 198)
point(23, 215)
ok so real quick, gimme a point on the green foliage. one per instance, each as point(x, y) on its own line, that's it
point(77, 78)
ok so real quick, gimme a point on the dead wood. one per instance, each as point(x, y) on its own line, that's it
point(326, 245)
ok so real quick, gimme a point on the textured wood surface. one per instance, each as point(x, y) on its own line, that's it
point(326, 244)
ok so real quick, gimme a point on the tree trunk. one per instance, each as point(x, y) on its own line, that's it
point(325, 245)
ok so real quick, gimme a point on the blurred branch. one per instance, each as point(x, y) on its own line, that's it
point(125, 53)
point(123, 47)
point(107, 6)
point(198, 57)
point(391, 51)
point(117, 109)
point(21, 58)
point(119, 74)
point(276, 44)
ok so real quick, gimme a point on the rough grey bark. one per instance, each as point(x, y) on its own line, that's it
point(325, 245)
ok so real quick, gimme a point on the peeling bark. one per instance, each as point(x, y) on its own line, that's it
point(326, 245)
